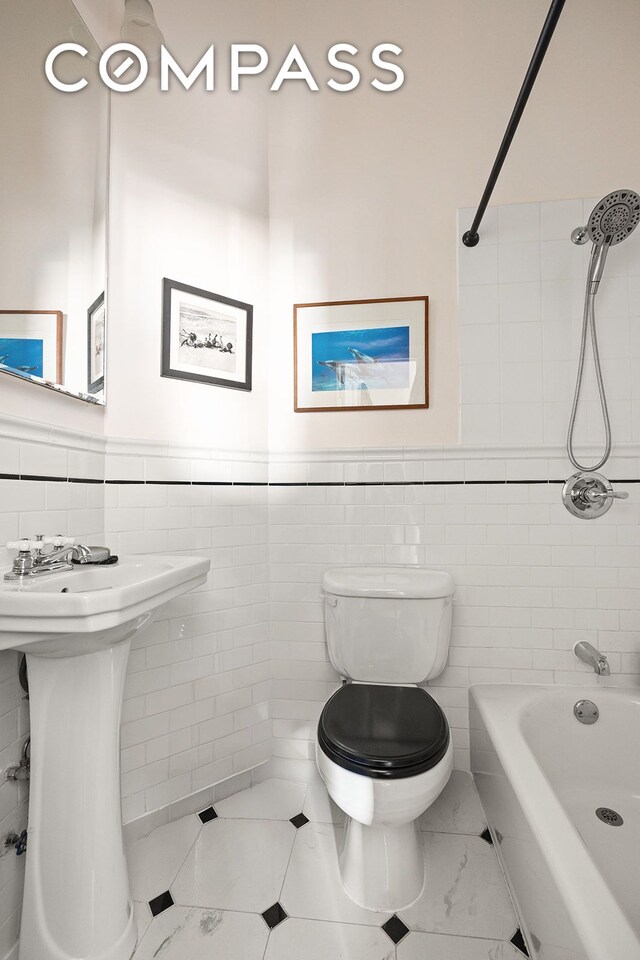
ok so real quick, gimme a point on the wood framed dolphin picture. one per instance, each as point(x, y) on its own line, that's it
point(361, 355)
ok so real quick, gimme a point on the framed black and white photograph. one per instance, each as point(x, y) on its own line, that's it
point(206, 337)
point(96, 343)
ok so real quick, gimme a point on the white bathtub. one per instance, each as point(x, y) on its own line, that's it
point(541, 774)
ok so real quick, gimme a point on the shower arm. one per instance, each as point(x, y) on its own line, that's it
point(471, 237)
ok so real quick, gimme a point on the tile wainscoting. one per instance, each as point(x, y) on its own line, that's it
point(224, 689)
point(530, 578)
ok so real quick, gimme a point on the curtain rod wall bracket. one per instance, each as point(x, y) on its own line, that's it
point(470, 239)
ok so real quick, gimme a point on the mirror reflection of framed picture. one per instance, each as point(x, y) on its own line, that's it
point(206, 337)
point(96, 345)
point(361, 355)
point(31, 343)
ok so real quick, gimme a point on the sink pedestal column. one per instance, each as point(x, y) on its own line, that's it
point(76, 896)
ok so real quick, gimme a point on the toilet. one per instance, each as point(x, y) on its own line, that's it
point(383, 747)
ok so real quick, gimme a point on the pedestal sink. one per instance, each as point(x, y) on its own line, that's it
point(75, 628)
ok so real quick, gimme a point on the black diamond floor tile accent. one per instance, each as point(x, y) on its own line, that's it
point(518, 941)
point(395, 929)
point(299, 820)
point(485, 835)
point(160, 903)
point(207, 815)
point(274, 915)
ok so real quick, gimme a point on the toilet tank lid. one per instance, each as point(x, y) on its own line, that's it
point(388, 582)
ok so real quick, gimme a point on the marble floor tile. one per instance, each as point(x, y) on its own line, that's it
point(319, 806)
point(224, 874)
point(270, 800)
point(186, 933)
point(235, 865)
point(457, 809)
point(420, 946)
point(143, 918)
point(296, 939)
point(313, 889)
point(464, 891)
point(154, 860)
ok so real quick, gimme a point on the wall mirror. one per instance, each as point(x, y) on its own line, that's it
point(53, 206)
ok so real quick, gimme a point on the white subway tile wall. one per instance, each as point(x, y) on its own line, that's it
point(521, 292)
point(196, 702)
point(530, 580)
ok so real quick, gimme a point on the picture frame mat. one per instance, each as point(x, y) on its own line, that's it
point(210, 305)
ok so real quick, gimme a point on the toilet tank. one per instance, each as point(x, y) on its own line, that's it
point(387, 624)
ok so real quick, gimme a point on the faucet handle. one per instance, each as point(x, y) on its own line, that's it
point(593, 495)
point(59, 540)
point(24, 545)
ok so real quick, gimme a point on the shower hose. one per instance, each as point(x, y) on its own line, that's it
point(589, 325)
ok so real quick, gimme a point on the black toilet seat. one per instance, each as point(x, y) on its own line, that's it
point(383, 732)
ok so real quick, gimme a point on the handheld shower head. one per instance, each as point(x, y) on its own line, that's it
point(614, 218)
point(611, 221)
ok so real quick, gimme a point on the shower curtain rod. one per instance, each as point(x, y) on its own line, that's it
point(471, 237)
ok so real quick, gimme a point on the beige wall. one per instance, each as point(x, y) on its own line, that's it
point(52, 207)
point(294, 196)
point(188, 201)
point(364, 186)
point(103, 18)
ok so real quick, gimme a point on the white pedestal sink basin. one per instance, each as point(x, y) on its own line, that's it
point(76, 627)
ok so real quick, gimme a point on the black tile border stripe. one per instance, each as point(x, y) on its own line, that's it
point(172, 483)
point(302, 483)
point(34, 476)
point(129, 483)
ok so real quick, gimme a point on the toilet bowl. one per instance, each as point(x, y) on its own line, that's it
point(383, 746)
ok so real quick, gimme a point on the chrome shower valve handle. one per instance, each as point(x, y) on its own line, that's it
point(589, 495)
point(594, 496)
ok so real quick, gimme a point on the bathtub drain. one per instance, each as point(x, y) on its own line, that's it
point(607, 815)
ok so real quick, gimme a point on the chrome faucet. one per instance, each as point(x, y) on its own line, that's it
point(32, 560)
point(61, 557)
point(588, 654)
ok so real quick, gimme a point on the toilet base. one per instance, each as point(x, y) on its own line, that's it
point(382, 868)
